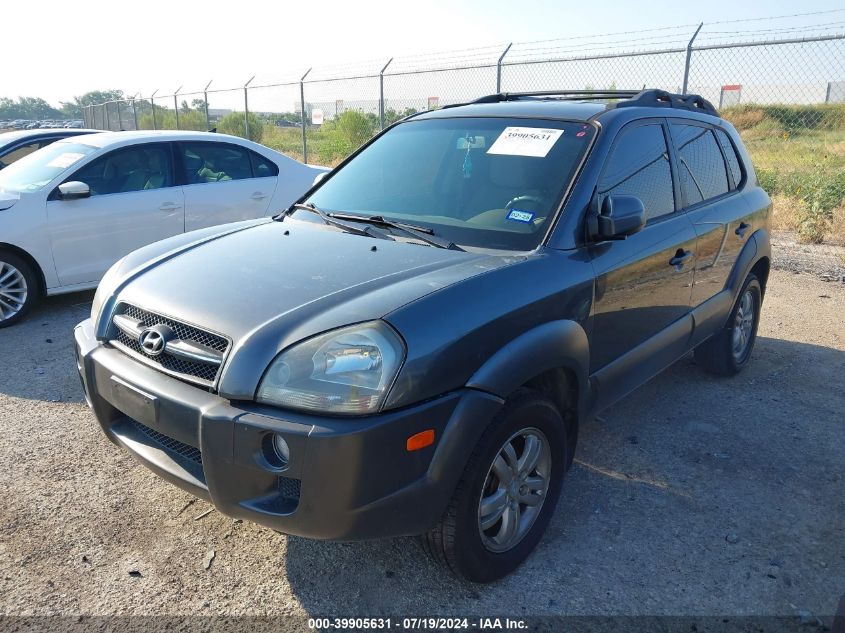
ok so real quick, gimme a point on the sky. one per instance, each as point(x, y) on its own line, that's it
point(149, 45)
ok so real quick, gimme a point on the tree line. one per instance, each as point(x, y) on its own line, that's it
point(37, 108)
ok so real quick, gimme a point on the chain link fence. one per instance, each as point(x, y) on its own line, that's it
point(782, 87)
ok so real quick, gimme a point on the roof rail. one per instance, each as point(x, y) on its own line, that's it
point(623, 99)
point(568, 95)
point(663, 99)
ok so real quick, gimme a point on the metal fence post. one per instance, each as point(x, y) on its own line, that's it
point(119, 120)
point(205, 97)
point(689, 59)
point(246, 108)
point(302, 105)
point(153, 106)
point(134, 112)
point(499, 68)
point(381, 93)
point(176, 106)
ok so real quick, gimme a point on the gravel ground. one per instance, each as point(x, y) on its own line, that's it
point(695, 495)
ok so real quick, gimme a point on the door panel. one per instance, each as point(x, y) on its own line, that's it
point(90, 235)
point(644, 282)
point(722, 227)
point(221, 186)
point(132, 204)
point(638, 291)
point(709, 171)
point(215, 203)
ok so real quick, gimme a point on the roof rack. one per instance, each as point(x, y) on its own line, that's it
point(652, 98)
point(663, 99)
point(564, 95)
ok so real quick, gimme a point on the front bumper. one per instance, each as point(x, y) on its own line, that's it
point(346, 479)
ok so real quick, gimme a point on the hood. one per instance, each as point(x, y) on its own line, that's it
point(276, 283)
point(8, 200)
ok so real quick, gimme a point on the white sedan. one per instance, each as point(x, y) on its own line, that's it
point(70, 210)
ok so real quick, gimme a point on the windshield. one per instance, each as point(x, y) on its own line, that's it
point(36, 170)
point(485, 182)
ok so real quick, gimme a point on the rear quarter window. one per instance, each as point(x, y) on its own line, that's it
point(702, 166)
point(731, 157)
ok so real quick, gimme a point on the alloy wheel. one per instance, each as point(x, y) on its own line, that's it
point(514, 490)
point(13, 291)
point(743, 326)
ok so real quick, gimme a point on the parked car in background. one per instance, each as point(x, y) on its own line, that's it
point(16, 145)
point(413, 346)
point(70, 210)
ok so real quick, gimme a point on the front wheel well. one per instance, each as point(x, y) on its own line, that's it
point(560, 385)
point(29, 259)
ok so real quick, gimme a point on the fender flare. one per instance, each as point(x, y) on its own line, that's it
point(755, 249)
point(553, 345)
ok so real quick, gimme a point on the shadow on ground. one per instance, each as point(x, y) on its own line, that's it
point(38, 353)
point(696, 494)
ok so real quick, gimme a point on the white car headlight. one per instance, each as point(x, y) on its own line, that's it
point(347, 371)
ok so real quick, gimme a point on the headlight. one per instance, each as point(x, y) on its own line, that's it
point(104, 290)
point(346, 371)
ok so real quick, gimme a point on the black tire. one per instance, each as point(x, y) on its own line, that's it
point(10, 264)
point(718, 354)
point(456, 541)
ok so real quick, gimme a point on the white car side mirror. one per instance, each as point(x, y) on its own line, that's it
point(319, 177)
point(74, 190)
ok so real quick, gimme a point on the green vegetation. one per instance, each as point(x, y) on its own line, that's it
point(235, 124)
point(799, 156)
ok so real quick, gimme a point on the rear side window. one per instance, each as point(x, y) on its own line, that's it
point(214, 162)
point(639, 166)
point(702, 167)
point(262, 167)
point(731, 157)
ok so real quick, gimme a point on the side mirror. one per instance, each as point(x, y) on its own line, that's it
point(74, 190)
point(619, 217)
point(319, 177)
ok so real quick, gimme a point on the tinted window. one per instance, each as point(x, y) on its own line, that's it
point(18, 153)
point(639, 166)
point(262, 167)
point(136, 168)
point(730, 155)
point(487, 182)
point(702, 166)
point(214, 162)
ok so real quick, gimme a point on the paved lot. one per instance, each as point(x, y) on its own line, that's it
point(695, 495)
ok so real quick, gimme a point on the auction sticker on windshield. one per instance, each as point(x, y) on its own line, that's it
point(525, 141)
point(63, 161)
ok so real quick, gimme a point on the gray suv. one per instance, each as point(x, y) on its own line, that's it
point(411, 348)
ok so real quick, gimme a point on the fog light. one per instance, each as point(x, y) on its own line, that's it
point(281, 450)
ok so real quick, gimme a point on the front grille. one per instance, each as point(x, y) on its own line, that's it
point(204, 373)
point(170, 444)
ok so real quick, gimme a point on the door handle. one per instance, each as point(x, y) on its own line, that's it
point(258, 195)
point(742, 228)
point(680, 258)
point(170, 206)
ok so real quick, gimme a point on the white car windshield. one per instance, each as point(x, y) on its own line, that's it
point(36, 170)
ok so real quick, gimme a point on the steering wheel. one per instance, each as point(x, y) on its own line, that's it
point(518, 199)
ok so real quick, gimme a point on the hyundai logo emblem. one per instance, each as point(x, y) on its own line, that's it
point(153, 340)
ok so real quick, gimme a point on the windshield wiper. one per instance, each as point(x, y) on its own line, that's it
point(331, 221)
point(422, 233)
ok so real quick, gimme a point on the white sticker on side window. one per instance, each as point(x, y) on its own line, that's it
point(525, 141)
point(63, 161)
